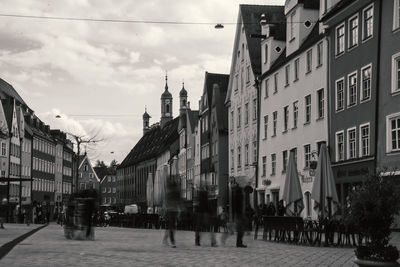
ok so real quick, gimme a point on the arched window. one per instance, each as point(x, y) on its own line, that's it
point(308, 203)
point(183, 103)
point(167, 108)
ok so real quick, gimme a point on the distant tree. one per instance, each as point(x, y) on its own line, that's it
point(100, 164)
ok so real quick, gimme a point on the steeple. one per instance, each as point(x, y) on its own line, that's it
point(146, 121)
point(182, 99)
point(166, 104)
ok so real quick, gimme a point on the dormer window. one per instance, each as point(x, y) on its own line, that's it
point(291, 26)
point(266, 53)
point(242, 52)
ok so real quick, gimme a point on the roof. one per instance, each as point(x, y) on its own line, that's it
point(333, 10)
point(9, 90)
point(146, 115)
point(183, 91)
point(311, 39)
point(210, 79)
point(251, 15)
point(153, 143)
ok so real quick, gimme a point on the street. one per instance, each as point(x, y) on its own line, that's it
point(143, 247)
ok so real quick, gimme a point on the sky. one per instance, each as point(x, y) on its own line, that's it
point(100, 76)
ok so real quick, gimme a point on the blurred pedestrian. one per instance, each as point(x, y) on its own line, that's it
point(172, 209)
point(89, 209)
point(3, 212)
point(249, 216)
point(223, 219)
point(203, 219)
point(281, 208)
point(271, 209)
point(238, 210)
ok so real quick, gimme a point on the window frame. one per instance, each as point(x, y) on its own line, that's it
point(295, 114)
point(354, 73)
point(273, 164)
point(366, 38)
point(320, 104)
point(338, 53)
point(396, 15)
point(266, 88)
point(285, 118)
point(274, 123)
point(360, 153)
point(348, 143)
point(276, 82)
point(309, 61)
point(337, 150)
point(266, 127)
point(395, 73)
point(362, 97)
point(350, 45)
point(320, 51)
point(296, 69)
point(343, 94)
point(307, 109)
point(389, 118)
point(307, 155)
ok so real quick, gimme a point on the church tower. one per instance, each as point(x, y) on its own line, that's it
point(146, 121)
point(166, 105)
point(182, 99)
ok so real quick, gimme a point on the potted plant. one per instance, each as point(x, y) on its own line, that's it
point(372, 212)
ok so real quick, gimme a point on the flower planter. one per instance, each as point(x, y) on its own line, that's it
point(368, 263)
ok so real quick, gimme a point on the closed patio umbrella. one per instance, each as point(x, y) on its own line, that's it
point(324, 188)
point(292, 194)
point(150, 190)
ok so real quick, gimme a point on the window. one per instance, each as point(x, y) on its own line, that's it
point(266, 84)
point(90, 175)
point(396, 73)
point(352, 93)
point(296, 69)
point(307, 156)
point(309, 61)
point(286, 118)
point(275, 122)
point(85, 168)
point(339, 94)
point(320, 48)
point(294, 150)
point(265, 126)
point(248, 74)
point(368, 22)
point(366, 82)
point(254, 109)
point(351, 143)
point(287, 74)
point(104, 190)
point(321, 100)
point(3, 148)
point(236, 82)
point(308, 203)
point(308, 108)
point(284, 160)
point(295, 113)
point(246, 154)
point(239, 117)
point(275, 83)
point(396, 14)
point(246, 113)
point(241, 80)
point(254, 151)
point(292, 23)
point(239, 159)
point(232, 159)
point(232, 119)
point(364, 140)
point(264, 166)
point(266, 53)
point(339, 146)
point(340, 39)
point(353, 31)
point(393, 132)
point(273, 164)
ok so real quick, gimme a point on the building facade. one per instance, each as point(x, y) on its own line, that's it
point(108, 190)
point(354, 35)
point(87, 176)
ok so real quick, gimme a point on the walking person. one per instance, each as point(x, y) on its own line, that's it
point(238, 212)
point(203, 219)
point(172, 209)
point(3, 213)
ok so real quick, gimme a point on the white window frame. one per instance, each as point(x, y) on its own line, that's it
point(309, 61)
point(274, 123)
point(307, 154)
point(266, 88)
point(348, 142)
point(395, 73)
point(306, 109)
point(321, 104)
point(287, 74)
point(396, 14)
point(364, 38)
point(296, 69)
point(285, 118)
point(337, 53)
point(276, 82)
point(265, 126)
point(361, 154)
point(362, 99)
point(320, 52)
point(336, 145)
point(273, 164)
point(349, 39)
point(264, 166)
point(295, 114)
point(266, 53)
point(336, 94)
point(348, 88)
point(388, 132)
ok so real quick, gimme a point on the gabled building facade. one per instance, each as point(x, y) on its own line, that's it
point(293, 109)
point(242, 95)
point(87, 176)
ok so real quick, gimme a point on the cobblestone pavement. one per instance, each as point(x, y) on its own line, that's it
point(12, 231)
point(140, 247)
